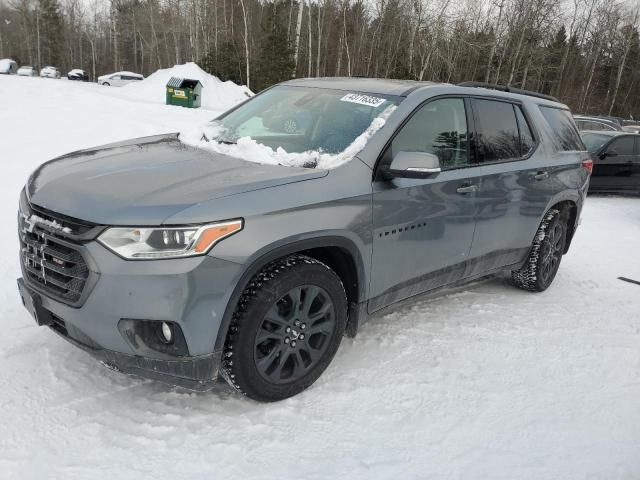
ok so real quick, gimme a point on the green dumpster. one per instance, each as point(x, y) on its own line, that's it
point(184, 92)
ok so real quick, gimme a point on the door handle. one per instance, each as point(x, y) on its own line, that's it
point(467, 189)
point(542, 175)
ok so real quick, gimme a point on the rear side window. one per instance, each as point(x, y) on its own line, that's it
point(564, 133)
point(497, 136)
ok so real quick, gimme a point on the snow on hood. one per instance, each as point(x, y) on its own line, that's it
point(248, 149)
point(216, 94)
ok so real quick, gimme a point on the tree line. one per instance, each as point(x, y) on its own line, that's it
point(585, 52)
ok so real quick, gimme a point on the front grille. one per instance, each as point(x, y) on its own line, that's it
point(50, 263)
point(76, 226)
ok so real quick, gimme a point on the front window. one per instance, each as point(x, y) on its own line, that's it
point(439, 128)
point(297, 126)
point(593, 141)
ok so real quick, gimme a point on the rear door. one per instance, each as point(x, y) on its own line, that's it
point(511, 196)
point(521, 175)
point(423, 228)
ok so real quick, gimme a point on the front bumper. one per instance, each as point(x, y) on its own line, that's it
point(97, 333)
point(194, 373)
point(191, 292)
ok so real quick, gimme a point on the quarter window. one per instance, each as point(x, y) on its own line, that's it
point(497, 136)
point(563, 130)
point(440, 128)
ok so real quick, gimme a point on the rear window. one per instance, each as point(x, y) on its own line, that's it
point(564, 132)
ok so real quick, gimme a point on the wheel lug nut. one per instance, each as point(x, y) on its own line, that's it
point(301, 336)
point(296, 323)
point(286, 340)
point(288, 329)
point(293, 344)
point(303, 326)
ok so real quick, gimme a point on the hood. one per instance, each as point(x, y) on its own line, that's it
point(144, 181)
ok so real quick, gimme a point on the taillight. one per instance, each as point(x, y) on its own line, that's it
point(588, 166)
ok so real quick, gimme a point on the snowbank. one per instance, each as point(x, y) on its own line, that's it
point(216, 94)
point(248, 149)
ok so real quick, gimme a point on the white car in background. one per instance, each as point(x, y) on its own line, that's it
point(8, 66)
point(50, 72)
point(119, 79)
point(27, 71)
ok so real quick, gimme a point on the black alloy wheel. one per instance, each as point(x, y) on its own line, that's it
point(294, 334)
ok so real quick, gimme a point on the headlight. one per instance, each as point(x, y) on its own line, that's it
point(171, 242)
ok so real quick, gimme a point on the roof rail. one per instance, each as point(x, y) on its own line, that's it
point(506, 88)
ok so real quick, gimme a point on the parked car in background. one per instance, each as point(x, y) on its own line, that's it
point(27, 71)
point(119, 79)
point(616, 161)
point(190, 264)
point(8, 66)
point(50, 72)
point(78, 74)
point(631, 127)
point(584, 122)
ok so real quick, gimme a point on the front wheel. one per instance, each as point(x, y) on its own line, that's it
point(286, 329)
point(545, 255)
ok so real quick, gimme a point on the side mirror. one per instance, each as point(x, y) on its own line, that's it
point(608, 153)
point(414, 165)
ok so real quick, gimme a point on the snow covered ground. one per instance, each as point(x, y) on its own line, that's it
point(487, 382)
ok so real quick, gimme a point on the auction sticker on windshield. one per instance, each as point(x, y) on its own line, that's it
point(363, 99)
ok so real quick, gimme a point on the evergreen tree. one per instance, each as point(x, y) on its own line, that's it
point(274, 62)
point(227, 63)
point(51, 32)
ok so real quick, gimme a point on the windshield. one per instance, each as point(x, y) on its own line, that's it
point(593, 141)
point(298, 126)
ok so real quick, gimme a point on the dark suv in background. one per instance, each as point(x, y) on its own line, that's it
point(188, 263)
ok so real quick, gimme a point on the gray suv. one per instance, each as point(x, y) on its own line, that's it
point(249, 256)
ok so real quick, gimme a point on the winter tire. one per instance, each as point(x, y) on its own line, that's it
point(546, 253)
point(286, 329)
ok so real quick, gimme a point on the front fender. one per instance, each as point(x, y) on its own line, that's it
point(288, 246)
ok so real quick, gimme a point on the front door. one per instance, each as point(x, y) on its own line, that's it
point(617, 166)
point(423, 229)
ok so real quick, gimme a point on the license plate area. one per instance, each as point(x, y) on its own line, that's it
point(32, 301)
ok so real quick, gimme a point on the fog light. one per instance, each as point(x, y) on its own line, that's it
point(167, 333)
point(148, 336)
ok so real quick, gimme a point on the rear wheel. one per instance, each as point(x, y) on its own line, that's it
point(546, 253)
point(286, 329)
point(106, 84)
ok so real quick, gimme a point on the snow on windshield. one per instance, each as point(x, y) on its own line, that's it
point(247, 148)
